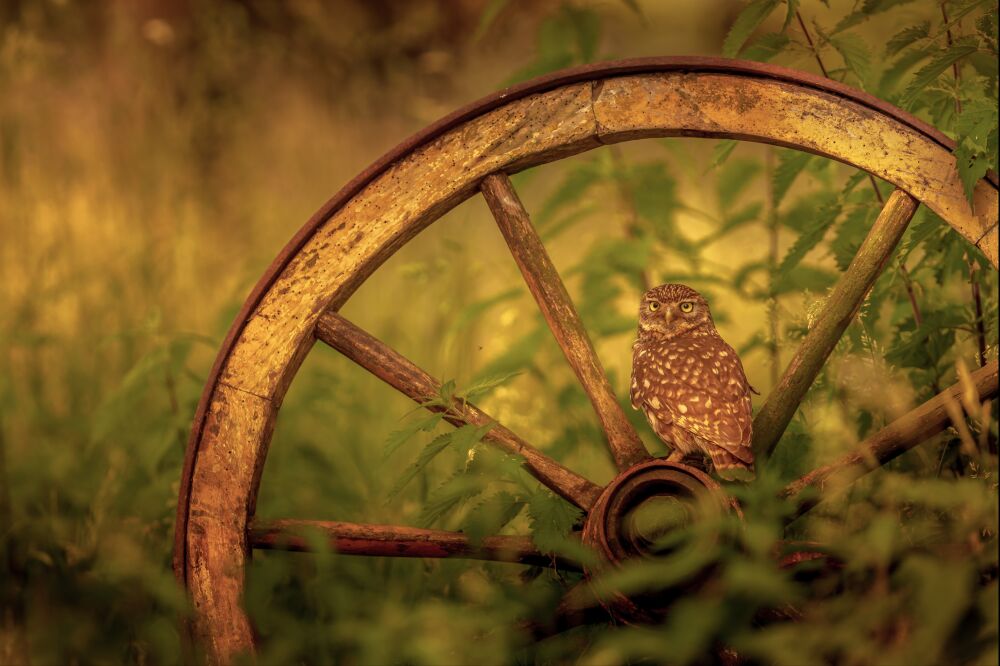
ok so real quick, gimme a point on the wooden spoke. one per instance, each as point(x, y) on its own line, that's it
point(891, 441)
point(398, 541)
point(839, 310)
point(391, 367)
point(553, 299)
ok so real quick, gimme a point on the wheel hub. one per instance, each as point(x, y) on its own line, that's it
point(635, 513)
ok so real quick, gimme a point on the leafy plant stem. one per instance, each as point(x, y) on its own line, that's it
point(973, 270)
point(977, 302)
point(918, 318)
point(812, 45)
point(907, 281)
point(954, 66)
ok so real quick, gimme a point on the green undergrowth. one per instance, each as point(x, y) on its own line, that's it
point(133, 221)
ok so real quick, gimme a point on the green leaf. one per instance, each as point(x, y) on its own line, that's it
point(469, 435)
point(810, 238)
point(721, 152)
point(849, 235)
point(733, 179)
point(431, 451)
point(764, 583)
point(803, 277)
point(977, 123)
point(487, 384)
point(977, 133)
point(940, 598)
point(558, 46)
point(735, 220)
point(487, 18)
point(790, 165)
point(569, 192)
point(892, 76)
point(399, 437)
point(491, 515)
point(766, 47)
point(568, 221)
point(986, 26)
point(748, 21)
point(451, 494)
point(924, 225)
point(743, 274)
point(987, 66)
point(654, 194)
point(971, 167)
point(929, 73)
point(587, 27)
point(793, 8)
point(552, 520)
point(445, 394)
point(923, 347)
point(474, 310)
point(868, 9)
point(855, 53)
point(906, 37)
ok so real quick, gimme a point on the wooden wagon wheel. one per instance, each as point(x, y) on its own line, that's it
point(473, 150)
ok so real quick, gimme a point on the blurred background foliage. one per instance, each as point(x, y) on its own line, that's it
point(154, 157)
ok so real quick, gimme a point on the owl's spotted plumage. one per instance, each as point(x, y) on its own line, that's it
point(689, 383)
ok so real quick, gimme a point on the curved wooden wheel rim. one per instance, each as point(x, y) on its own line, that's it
point(424, 177)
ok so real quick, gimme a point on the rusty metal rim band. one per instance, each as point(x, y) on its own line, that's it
point(594, 72)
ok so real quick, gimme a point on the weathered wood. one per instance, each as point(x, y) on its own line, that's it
point(424, 177)
point(840, 308)
point(400, 373)
point(399, 541)
point(564, 322)
point(828, 123)
point(433, 178)
point(895, 439)
point(237, 423)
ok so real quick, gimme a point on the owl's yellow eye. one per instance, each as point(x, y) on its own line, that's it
point(687, 306)
point(654, 306)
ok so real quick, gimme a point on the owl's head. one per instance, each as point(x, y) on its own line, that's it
point(673, 310)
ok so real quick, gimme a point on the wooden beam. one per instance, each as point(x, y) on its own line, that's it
point(564, 322)
point(890, 442)
point(839, 310)
point(400, 373)
point(398, 541)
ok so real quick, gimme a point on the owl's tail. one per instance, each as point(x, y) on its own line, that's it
point(729, 467)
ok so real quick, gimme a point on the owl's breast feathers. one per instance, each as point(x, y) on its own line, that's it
point(697, 384)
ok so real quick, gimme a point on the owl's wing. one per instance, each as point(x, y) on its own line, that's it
point(635, 393)
point(647, 372)
point(707, 393)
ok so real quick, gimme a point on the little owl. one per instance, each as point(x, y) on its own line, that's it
point(689, 383)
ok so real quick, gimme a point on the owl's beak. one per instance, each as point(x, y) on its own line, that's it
point(668, 313)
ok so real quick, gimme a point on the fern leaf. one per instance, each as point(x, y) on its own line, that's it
point(790, 165)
